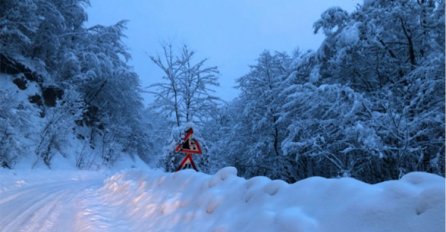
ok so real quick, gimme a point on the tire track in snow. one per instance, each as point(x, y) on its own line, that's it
point(42, 207)
point(15, 212)
point(67, 212)
point(43, 218)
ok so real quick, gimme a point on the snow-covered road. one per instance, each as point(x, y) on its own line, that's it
point(58, 205)
point(187, 201)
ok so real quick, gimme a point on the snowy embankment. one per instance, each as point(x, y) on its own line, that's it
point(189, 201)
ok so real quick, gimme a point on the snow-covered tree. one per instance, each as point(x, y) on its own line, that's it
point(187, 93)
point(369, 103)
point(186, 97)
point(16, 123)
point(19, 22)
point(250, 135)
point(83, 84)
point(330, 124)
point(391, 51)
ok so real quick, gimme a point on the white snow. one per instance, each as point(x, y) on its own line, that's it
point(314, 75)
point(350, 34)
point(151, 200)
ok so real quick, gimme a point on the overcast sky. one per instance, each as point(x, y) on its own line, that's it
point(231, 33)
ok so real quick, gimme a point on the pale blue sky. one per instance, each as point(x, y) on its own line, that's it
point(231, 33)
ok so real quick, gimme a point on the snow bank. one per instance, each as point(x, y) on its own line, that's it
point(191, 201)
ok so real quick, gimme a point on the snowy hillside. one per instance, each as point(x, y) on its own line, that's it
point(147, 200)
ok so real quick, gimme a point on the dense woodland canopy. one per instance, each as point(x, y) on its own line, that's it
point(83, 98)
point(368, 103)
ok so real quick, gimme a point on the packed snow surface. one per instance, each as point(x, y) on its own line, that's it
point(148, 200)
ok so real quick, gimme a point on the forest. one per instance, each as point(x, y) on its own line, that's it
point(369, 103)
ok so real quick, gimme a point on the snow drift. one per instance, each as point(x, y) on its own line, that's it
point(148, 200)
point(190, 201)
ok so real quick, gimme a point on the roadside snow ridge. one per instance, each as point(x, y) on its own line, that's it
point(142, 200)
